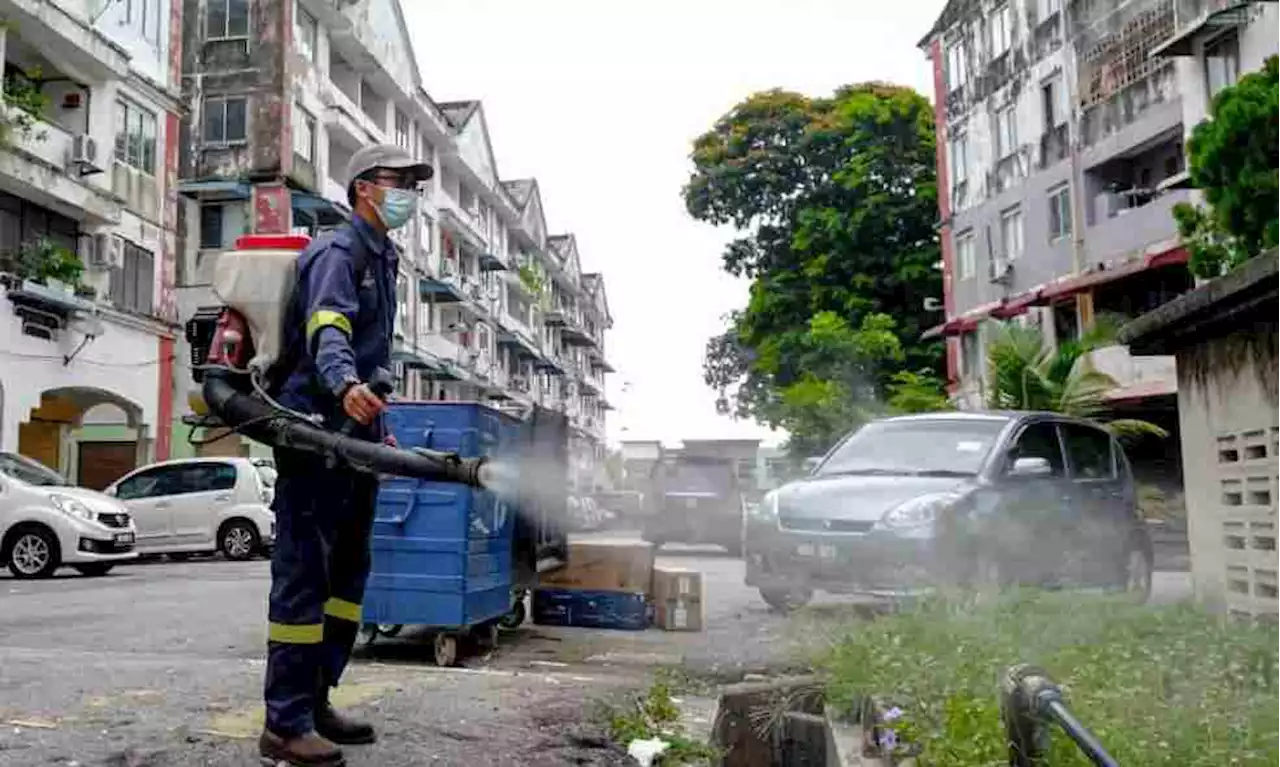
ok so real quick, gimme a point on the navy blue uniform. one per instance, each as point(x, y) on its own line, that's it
point(343, 315)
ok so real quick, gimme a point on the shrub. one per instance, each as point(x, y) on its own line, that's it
point(1158, 685)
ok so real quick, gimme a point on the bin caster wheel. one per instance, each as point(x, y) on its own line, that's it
point(390, 630)
point(514, 618)
point(444, 648)
point(486, 637)
point(368, 634)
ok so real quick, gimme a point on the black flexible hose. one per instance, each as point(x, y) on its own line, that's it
point(255, 419)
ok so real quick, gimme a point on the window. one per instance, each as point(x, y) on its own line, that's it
point(1006, 132)
point(225, 120)
point(1051, 93)
point(957, 66)
point(304, 32)
point(226, 18)
point(135, 137)
point(402, 130)
point(211, 217)
point(1000, 30)
point(1011, 233)
point(1039, 440)
point(164, 480)
point(144, 17)
point(133, 285)
point(1089, 450)
point(1221, 62)
point(207, 477)
point(402, 305)
point(1059, 213)
point(959, 159)
point(304, 133)
point(425, 150)
point(966, 256)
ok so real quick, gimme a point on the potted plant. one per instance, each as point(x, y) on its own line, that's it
point(86, 291)
point(47, 263)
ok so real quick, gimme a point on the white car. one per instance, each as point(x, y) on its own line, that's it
point(200, 505)
point(45, 523)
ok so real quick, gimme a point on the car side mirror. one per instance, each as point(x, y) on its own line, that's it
point(1031, 467)
point(111, 491)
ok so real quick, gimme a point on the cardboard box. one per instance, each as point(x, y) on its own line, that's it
point(678, 599)
point(683, 614)
point(618, 565)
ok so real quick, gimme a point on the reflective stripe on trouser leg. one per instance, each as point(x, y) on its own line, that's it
point(348, 570)
point(299, 588)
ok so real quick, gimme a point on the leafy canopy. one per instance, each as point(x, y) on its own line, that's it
point(1234, 159)
point(834, 203)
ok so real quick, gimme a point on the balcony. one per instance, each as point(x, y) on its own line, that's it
point(1054, 146)
point(345, 121)
point(1196, 20)
point(461, 222)
point(1133, 224)
point(65, 27)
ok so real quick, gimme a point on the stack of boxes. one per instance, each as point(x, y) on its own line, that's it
point(614, 584)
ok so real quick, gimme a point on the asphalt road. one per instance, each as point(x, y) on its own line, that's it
point(159, 665)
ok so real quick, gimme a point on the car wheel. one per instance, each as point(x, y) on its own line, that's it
point(1137, 573)
point(238, 540)
point(94, 569)
point(33, 552)
point(444, 650)
point(786, 600)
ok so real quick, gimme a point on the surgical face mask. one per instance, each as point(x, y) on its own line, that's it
point(396, 207)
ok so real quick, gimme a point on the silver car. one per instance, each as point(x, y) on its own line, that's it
point(915, 502)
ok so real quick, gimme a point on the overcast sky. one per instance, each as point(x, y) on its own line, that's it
point(600, 102)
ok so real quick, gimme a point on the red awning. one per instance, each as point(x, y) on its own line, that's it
point(1079, 283)
point(964, 323)
point(1012, 307)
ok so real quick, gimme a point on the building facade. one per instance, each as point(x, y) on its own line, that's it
point(1061, 127)
point(492, 308)
point(88, 232)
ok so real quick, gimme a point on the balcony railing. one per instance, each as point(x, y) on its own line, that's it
point(1133, 224)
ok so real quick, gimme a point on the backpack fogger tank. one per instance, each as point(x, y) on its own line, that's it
point(236, 344)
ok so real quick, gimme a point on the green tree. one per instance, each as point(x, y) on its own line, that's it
point(1027, 373)
point(1234, 159)
point(917, 392)
point(834, 203)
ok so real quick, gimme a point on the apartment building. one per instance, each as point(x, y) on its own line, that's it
point(1061, 126)
point(275, 118)
point(88, 222)
point(1214, 43)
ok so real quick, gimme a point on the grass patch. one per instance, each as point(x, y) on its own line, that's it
point(1158, 685)
point(655, 715)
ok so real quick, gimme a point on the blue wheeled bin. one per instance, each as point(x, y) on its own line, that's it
point(441, 552)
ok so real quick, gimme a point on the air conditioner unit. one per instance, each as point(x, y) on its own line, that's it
point(106, 252)
point(84, 154)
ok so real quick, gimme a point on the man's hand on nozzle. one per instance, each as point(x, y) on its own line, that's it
point(362, 404)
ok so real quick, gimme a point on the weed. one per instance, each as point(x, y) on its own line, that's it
point(655, 715)
point(1159, 686)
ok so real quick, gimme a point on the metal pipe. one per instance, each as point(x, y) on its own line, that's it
point(1029, 700)
point(1057, 711)
point(255, 419)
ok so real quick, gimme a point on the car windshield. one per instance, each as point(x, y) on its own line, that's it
point(32, 472)
point(940, 447)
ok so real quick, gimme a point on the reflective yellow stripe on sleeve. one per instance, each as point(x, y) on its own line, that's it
point(327, 318)
point(342, 609)
point(291, 633)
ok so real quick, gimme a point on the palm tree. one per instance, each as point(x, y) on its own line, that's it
point(1028, 373)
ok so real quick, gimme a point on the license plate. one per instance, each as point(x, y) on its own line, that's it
point(124, 538)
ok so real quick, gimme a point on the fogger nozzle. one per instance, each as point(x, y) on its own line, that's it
point(259, 421)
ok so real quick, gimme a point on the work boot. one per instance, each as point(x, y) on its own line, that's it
point(340, 729)
point(307, 750)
